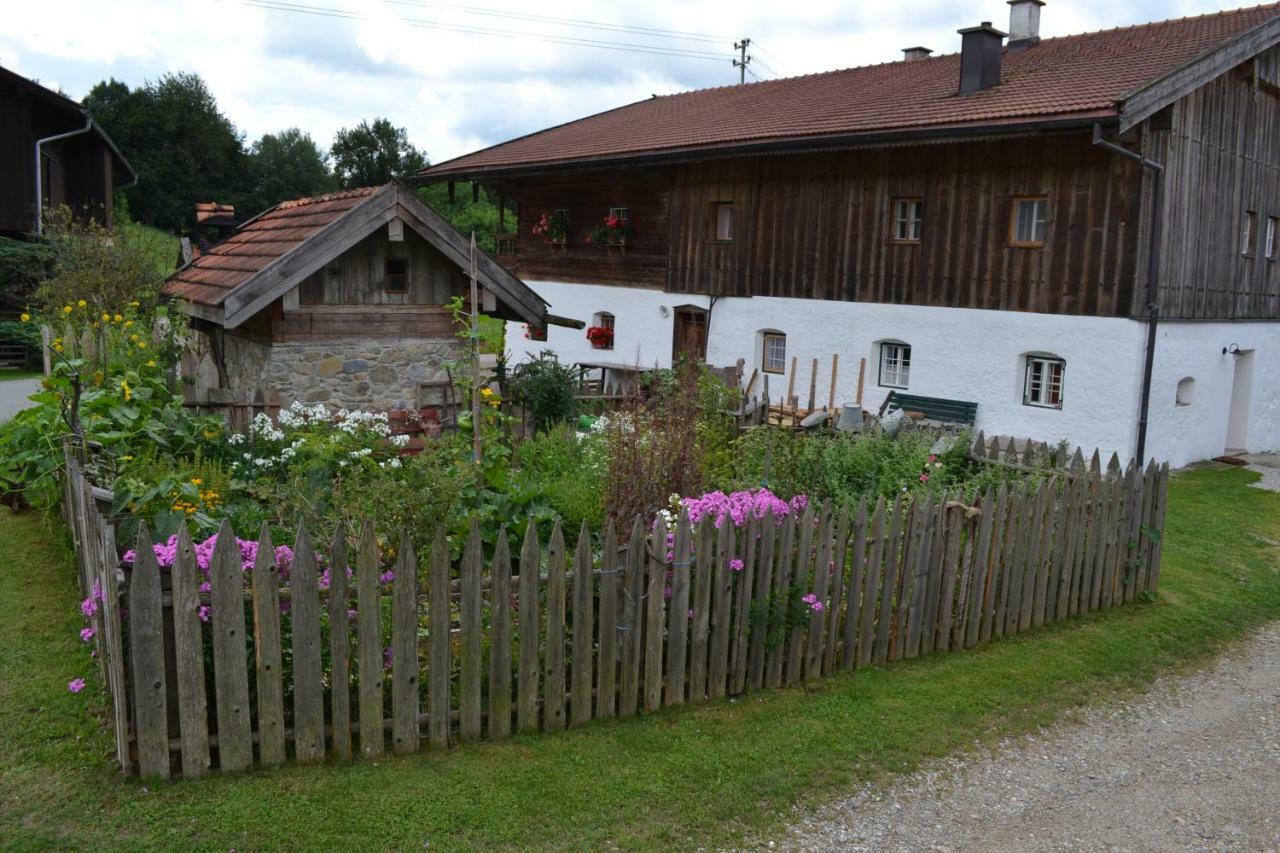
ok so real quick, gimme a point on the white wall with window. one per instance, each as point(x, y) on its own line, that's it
point(771, 351)
point(1043, 378)
point(894, 364)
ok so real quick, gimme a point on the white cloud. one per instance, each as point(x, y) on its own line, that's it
point(457, 91)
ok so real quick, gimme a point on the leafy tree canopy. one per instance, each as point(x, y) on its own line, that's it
point(286, 165)
point(370, 154)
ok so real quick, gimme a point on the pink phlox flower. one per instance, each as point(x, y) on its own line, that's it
point(89, 607)
point(736, 564)
point(87, 634)
point(75, 685)
point(204, 612)
point(387, 577)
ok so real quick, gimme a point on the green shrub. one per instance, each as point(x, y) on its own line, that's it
point(545, 388)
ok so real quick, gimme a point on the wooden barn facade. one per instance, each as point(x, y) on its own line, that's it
point(980, 226)
point(79, 165)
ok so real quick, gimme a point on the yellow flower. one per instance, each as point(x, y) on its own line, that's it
point(142, 344)
point(26, 318)
point(151, 363)
point(134, 304)
point(195, 481)
point(106, 318)
point(57, 347)
point(126, 458)
point(486, 392)
point(124, 386)
point(118, 318)
point(133, 338)
point(82, 304)
point(66, 309)
point(128, 323)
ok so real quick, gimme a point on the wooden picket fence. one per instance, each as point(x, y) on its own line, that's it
point(625, 624)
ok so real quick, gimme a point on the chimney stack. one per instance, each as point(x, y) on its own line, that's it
point(911, 54)
point(1024, 23)
point(981, 50)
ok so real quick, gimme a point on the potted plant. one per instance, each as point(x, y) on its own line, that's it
point(552, 228)
point(614, 231)
point(601, 337)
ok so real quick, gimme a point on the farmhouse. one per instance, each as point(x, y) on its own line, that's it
point(1077, 234)
point(340, 299)
point(52, 153)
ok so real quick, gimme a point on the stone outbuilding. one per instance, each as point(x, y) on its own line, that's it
point(339, 299)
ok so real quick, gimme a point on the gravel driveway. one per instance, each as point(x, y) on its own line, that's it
point(1192, 765)
point(14, 394)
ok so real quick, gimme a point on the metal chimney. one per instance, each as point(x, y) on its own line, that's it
point(981, 49)
point(1024, 23)
point(911, 54)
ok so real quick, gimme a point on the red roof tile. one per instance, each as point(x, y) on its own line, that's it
point(209, 278)
point(1081, 75)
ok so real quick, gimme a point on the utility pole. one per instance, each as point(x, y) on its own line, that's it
point(743, 59)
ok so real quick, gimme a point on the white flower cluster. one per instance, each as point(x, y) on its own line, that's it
point(298, 415)
point(352, 422)
point(263, 428)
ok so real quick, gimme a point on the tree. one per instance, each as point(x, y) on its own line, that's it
point(283, 166)
point(370, 154)
point(467, 215)
point(183, 148)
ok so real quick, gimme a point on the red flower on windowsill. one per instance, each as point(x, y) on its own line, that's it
point(601, 337)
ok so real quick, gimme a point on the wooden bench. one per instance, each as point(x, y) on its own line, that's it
point(933, 408)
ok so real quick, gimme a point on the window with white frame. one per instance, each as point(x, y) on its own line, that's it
point(1029, 221)
point(908, 214)
point(722, 221)
point(895, 364)
point(1250, 232)
point(1273, 225)
point(1043, 384)
point(773, 352)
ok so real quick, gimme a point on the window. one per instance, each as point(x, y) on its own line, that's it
point(895, 364)
point(907, 215)
point(1186, 391)
point(722, 221)
point(774, 353)
point(601, 332)
point(397, 275)
point(534, 333)
point(1029, 222)
point(620, 212)
point(1273, 250)
point(1250, 229)
point(1043, 385)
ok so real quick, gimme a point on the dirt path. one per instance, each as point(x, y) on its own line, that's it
point(1193, 765)
point(14, 394)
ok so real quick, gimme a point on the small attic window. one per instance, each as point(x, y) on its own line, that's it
point(397, 276)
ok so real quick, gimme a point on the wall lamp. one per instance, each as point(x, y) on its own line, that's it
point(1234, 349)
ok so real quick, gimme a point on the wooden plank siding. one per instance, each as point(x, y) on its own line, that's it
point(1221, 150)
point(358, 275)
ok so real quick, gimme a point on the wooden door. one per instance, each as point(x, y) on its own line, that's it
point(690, 338)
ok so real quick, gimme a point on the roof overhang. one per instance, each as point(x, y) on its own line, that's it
point(1144, 102)
point(1015, 126)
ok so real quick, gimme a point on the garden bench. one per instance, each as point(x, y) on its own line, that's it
point(933, 408)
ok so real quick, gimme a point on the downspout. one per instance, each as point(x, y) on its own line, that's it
point(88, 126)
point(1153, 265)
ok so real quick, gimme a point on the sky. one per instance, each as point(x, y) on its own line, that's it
point(462, 76)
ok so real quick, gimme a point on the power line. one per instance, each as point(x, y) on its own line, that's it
point(573, 22)
point(767, 53)
point(573, 41)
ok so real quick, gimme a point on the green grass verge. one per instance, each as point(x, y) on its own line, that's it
point(9, 375)
point(694, 776)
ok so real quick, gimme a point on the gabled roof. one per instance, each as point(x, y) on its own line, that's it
point(76, 113)
point(1078, 79)
point(275, 251)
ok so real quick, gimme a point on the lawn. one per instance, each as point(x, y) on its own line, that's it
point(686, 777)
point(9, 375)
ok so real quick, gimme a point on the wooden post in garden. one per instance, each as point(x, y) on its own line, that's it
point(475, 358)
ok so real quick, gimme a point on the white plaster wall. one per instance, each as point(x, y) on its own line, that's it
point(1185, 434)
point(642, 335)
point(960, 354)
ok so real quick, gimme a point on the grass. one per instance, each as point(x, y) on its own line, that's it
point(694, 776)
point(160, 245)
point(7, 375)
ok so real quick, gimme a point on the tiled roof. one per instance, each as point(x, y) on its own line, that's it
point(1082, 76)
point(208, 279)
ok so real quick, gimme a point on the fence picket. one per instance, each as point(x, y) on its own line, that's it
point(369, 643)
point(146, 656)
point(1157, 526)
point(915, 568)
point(583, 665)
point(951, 572)
point(267, 652)
point(404, 651)
point(553, 719)
point(800, 582)
point(193, 709)
point(471, 630)
point(308, 677)
point(439, 663)
point(632, 621)
point(231, 676)
point(846, 581)
point(721, 615)
point(500, 645)
point(339, 648)
point(742, 627)
point(607, 661)
point(994, 559)
point(761, 597)
point(655, 616)
point(1033, 577)
point(889, 586)
point(1010, 569)
point(979, 573)
point(113, 644)
point(1050, 530)
point(812, 654)
point(870, 599)
point(703, 568)
point(783, 556)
